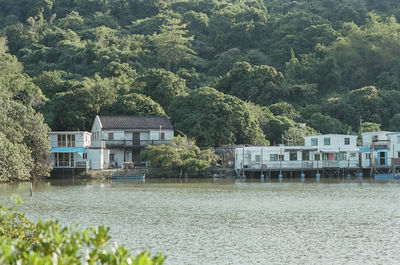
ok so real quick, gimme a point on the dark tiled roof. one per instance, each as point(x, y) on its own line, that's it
point(135, 122)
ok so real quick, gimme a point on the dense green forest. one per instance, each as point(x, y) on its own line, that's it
point(245, 71)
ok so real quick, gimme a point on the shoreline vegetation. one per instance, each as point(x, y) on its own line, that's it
point(254, 72)
point(47, 242)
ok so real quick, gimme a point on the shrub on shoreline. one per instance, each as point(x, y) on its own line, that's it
point(47, 242)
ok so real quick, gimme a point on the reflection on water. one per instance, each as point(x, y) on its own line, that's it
point(231, 221)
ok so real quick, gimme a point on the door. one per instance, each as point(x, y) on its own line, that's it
point(136, 156)
point(136, 138)
point(382, 158)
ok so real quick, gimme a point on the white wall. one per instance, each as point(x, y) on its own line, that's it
point(155, 135)
point(336, 140)
point(118, 156)
point(365, 160)
point(53, 140)
point(82, 138)
point(96, 157)
point(264, 153)
point(119, 135)
point(106, 158)
point(96, 133)
point(144, 136)
point(394, 145)
point(367, 137)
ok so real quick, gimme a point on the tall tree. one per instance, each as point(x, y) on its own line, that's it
point(172, 46)
point(214, 118)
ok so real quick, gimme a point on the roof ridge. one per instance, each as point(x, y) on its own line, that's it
point(135, 122)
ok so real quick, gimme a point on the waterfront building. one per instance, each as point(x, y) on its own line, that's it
point(375, 150)
point(126, 136)
point(394, 142)
point(69, 149)
point(331, 151)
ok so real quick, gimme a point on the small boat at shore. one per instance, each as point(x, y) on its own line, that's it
point(386, 176)
point(142, 176)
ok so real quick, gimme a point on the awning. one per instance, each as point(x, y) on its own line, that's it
point(300, 149)
point(365, 149)
point(78, 150)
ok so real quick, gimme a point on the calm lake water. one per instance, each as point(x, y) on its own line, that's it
point(228, 221)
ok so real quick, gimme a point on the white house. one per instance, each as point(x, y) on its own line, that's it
point(126, 136)
point(277, 157)
point(394, 142)
point(69, 149)
point(337, 150)
point(377, 150)
point(331, 141)
point(322, 151)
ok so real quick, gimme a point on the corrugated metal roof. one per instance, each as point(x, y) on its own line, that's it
point(393, 133)
point(135, 122)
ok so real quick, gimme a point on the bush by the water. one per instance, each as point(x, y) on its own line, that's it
point(180, 156)
point(47, 242)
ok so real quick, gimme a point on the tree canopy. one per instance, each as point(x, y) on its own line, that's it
point(275, 64)
point(24, 140)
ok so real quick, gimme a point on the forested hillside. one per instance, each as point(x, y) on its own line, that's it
point(223, 71)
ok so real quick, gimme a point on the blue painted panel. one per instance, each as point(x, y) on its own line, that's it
point(384, 176)
point(386, 158)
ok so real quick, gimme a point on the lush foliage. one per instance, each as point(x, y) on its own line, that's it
point(47, 242)
point(334, 63)
point(214, 118)
point(180, 157)
point(24, 141)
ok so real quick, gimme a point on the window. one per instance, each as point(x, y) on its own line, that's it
point(292, 156)
point(327, 141)
point(64, 159)
point(305, 155)
point(66, 140)
point(84, 156)
point(112, 158)
point(273, 157)
point(368, 156)
point(342, 156)
point(71, 140)
point(314, 141)
point(110, 136)
point(346, 141)
point(281, 158)
point(353, 154)
point(258, 158)
point(317, 157)
point(162, 136)
point(61, 142)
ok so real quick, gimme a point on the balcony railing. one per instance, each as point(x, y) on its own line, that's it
point(299, 165)
point(132, 143)
point(69, 143)
point(70, 164)
point(330, 163)
point(381, 144)
point(274, 165)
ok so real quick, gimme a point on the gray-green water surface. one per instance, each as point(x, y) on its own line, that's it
point(226, 221)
